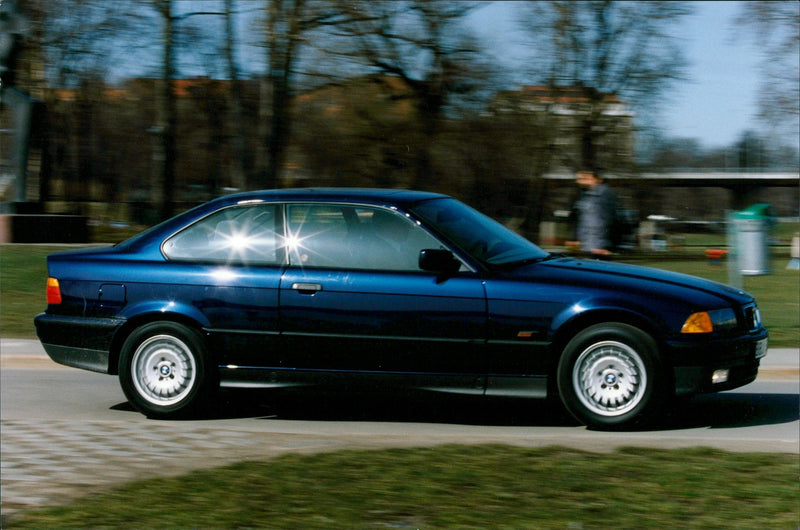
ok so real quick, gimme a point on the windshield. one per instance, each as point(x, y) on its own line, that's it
point(478, 235)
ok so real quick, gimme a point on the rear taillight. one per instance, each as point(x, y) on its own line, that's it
point(53, 291)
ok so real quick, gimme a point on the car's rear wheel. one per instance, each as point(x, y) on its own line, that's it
point(163, 370)
point(609, 375)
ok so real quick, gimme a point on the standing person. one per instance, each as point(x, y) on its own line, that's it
point(593, 214)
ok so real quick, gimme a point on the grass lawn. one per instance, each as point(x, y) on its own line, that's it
point(23, 272)
point(457, 486)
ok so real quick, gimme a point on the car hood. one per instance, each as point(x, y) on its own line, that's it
point(619, 276)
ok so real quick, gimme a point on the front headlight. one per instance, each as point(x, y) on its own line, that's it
point(723, 319)
point(709, 321)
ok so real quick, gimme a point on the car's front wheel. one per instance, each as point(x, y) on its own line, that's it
point(609, 375)
point(163, 370)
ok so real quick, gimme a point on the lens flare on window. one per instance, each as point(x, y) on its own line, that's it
point(245, 242)
point(300, 247)
point(293, 242)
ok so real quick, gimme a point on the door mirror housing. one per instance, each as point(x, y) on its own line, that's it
point(438, 260)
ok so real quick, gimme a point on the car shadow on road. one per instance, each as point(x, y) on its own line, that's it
point(716, 411)
point(729, 410)
point(320, 405)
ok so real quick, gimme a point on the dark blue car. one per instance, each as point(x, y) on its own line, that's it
point(387, 289)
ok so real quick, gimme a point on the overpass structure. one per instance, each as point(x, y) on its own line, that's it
point(743, 184)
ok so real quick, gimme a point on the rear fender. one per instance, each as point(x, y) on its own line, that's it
point(166, 308)
point(142, 313)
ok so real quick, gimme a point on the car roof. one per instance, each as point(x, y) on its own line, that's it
point(366, 195)
point(402, 199)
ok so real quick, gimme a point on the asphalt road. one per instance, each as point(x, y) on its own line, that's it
point(68, 432)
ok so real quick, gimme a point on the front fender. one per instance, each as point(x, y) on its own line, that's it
point(592, 311)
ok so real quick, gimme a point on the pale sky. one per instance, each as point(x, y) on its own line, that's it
point(719, 101)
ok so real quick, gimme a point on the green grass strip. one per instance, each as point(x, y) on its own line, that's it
point(490, 486)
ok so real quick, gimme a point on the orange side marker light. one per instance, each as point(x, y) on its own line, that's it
point(698, 323)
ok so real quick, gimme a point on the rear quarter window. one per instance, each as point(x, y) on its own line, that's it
point(236, 235)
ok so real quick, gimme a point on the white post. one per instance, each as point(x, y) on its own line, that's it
point(734, 272)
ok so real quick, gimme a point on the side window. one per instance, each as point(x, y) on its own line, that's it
point(236, 235)
point(354, 237)
point(318, 235)
point(390, 241)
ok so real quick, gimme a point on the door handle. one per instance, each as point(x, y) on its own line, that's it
point(307, 288)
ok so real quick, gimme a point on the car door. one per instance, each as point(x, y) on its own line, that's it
point(353, 300)
point(228, 266)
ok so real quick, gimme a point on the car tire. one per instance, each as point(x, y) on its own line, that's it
point(164, 370)
point(610, 376)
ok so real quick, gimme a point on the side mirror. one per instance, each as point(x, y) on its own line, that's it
point(436, 260)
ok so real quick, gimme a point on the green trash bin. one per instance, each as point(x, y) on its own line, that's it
point(751, 228)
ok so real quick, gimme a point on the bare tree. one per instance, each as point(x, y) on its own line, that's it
point(282, 34)
point(236, 117)
point(164, 194)
point(424, 44)
point(603, 48)
point(73, 37)
point(72, 45)
point(775, 26)
point(285, 26)
point(167, 113)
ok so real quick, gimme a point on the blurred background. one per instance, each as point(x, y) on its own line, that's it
point(116, 115)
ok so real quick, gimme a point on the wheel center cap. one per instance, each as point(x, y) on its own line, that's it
point(610, 379)
point(164, 370)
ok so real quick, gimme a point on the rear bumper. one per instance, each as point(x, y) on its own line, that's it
point(695, 364)
point(78, 341)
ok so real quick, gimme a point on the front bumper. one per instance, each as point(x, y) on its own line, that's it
point(78, 342)
point(694, 364)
